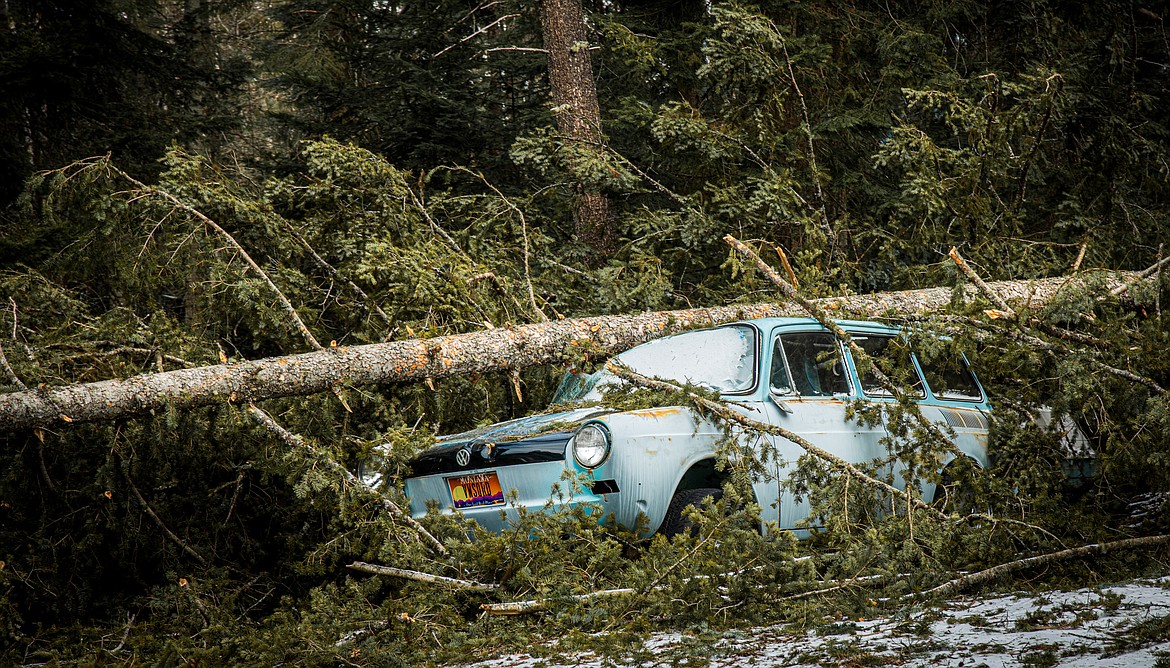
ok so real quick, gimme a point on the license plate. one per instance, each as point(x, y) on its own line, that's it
point(476, 490)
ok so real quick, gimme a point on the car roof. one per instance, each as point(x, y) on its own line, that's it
point(869, 326)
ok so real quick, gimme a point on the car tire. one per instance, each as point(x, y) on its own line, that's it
point(676, 521)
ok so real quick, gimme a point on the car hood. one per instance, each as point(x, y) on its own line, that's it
point(537, 438)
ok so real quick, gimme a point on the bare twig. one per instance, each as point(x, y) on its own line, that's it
point(419, 576)
point(13, 379)
point(1076, 266)
point(8, 371)
point(476, 33)
point(520, 49)
point(157, 520)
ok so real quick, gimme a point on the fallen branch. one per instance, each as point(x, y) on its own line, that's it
point(265, 420)
point(158, 520)
point(419, 576)
point(333, 273)
point(536, 605)
point(726, 413)
point(980, 577)
point(179, 204)
point(1090, 357)
point(860, 357)
point(1139, 277)
point(979, 283)
point(1006, 312)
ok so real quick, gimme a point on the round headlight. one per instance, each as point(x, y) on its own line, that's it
point(591, 446)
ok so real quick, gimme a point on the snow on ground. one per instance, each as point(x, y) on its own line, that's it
point(1120, 626)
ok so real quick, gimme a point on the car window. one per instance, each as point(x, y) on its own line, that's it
point(951, 379)
point(808, 364)
point(894, 358)
point(577, 386)
point(722, 359)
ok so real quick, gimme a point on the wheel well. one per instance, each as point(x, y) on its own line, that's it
point(701, 474)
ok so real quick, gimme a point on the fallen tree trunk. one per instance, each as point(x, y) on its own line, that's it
point(493, 350)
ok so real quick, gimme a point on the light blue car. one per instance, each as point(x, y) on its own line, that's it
point(653, 463)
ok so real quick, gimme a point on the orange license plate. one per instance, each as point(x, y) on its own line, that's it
point(476, 490)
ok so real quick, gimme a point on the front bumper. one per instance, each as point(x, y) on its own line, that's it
point(539, 487)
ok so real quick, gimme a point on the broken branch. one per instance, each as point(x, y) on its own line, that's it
point(730, 415)
point(265, 420)
point(419, 576)
point(987, 575)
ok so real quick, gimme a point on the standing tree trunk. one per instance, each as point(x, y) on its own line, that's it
point(579, 116)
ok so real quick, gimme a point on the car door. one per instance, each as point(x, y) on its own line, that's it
point(809, 385)
point(894, 357)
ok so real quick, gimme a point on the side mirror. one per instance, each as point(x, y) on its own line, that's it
point(780, 403)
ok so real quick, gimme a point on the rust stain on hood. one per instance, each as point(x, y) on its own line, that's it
point(657, 412)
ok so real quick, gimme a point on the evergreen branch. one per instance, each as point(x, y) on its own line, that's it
point(1144, 274)
point(157, 520)
point(721, 410)
point(1091, 357)
point(1006, 311)
point(978, 281)
point(332, 271)
point(266, 421)
point(834, 585)
point(523, 230)
point(235, 245)
point(859, 355)
point(812, 153)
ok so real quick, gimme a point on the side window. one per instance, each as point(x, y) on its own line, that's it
point(894, 358)
point(950, 379)
point(808, 364)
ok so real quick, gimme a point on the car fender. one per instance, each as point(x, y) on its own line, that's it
point(651, 450)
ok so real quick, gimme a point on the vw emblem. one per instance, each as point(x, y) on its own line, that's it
point(463, 457)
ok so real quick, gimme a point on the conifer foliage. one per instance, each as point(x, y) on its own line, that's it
point(189, 184)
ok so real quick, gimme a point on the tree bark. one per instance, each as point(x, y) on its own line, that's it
point(570, 73)
point(493, 350)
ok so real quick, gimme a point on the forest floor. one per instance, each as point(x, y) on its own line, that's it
point(1122, 626)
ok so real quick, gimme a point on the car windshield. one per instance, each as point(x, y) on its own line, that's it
point(722, 359)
